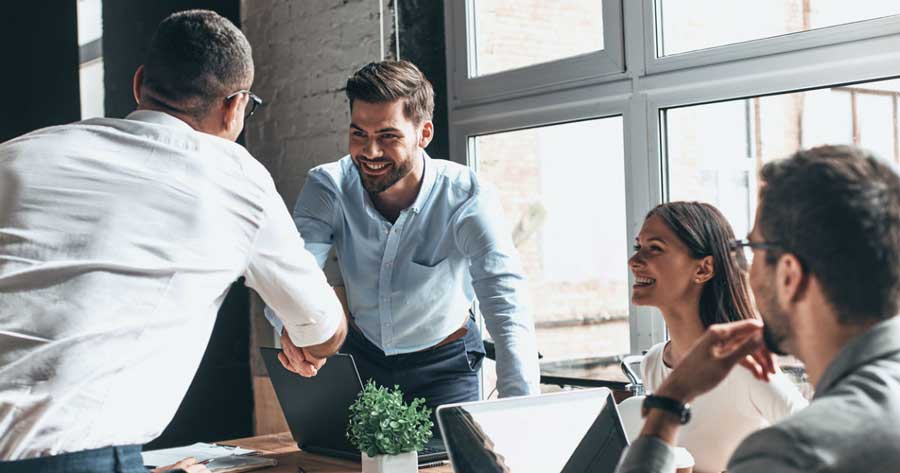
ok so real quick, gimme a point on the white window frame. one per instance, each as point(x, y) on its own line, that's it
point(576, 71)
point(856, 52)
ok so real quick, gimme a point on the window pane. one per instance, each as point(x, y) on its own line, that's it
point(689, 25)
point(516, 33)
point(91, 78)
point(90, 23)
point(718, 164)
point(564, 198)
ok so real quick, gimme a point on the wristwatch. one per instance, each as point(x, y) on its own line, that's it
point(680, 409)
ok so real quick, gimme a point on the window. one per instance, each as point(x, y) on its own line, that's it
point(699, 24)
point(510, 34)
point(563, 199)
point(721, 167)
point(90, 45)
point(500, 47)
point(702, 96)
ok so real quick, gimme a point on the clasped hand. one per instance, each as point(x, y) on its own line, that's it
point(298, 360)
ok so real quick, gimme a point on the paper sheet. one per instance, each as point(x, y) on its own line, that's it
point(201, 451)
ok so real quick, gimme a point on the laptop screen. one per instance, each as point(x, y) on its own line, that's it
point(568, 432)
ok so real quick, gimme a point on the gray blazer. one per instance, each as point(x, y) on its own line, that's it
point(851, 425)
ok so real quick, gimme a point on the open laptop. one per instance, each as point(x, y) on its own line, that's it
point(568, 432)
point(316, 408)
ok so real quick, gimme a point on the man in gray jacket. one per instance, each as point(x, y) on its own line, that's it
point(826, 277)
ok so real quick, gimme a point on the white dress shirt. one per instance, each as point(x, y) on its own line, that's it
point(118, 242)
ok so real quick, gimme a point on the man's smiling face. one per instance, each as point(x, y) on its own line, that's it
point(383, 143)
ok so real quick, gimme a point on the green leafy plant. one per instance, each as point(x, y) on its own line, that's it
point(382, 424)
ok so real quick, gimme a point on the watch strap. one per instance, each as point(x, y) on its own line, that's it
point(680, 409)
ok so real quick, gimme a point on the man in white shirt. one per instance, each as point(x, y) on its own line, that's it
point(118, 242)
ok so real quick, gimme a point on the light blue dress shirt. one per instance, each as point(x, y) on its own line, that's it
point(409, 284)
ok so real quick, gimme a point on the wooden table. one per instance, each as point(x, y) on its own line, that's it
point(283, 448)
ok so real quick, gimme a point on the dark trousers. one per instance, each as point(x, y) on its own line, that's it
point(442, 375)
point(102, 460)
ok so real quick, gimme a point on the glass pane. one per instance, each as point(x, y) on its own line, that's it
point(516, 33)
point(720, 167)
point(689, 25)
point(564, 198)
point(716, 150)
point(90, 24)
point(91, 77)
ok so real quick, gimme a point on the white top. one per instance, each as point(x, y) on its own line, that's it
point(118, 242)
point(721, 418)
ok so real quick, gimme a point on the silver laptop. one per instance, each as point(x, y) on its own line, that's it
point(568, 432)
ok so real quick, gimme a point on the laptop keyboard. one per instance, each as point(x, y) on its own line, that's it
point(430, 450)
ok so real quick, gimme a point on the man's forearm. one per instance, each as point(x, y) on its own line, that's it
point(332, 345)
point(653, 451)
point(518, 371)
point(662, 424)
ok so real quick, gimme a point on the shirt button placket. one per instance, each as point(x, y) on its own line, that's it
point(384, 285)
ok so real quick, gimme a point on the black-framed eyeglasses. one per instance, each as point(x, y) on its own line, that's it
point(742, 251)
point(255, 102)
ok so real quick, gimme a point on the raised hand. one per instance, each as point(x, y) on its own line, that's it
point(714, 355)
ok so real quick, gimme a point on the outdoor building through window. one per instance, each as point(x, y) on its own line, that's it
point(510, 34)
point(690, 25)
point(721, 168)
point(564, 202)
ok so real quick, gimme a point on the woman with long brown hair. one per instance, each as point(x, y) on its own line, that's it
point(683, 266)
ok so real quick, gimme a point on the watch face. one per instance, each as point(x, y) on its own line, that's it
point(685, 414)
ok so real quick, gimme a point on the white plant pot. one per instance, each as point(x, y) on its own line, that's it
point(403, 463)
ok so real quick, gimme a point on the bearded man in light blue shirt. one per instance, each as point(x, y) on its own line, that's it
point(417, 239)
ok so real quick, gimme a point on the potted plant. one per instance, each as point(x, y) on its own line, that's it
point(387, 431)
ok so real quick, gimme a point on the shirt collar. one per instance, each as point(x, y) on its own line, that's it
point(428, 178)
point(879, 341)
point(158, 118)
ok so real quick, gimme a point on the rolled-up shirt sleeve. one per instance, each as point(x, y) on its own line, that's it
point(289, 279)
point(499, 284)
point(314, 215)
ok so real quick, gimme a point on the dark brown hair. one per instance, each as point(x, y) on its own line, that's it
point(706, 232)
point(837, 209)
point(389, 81)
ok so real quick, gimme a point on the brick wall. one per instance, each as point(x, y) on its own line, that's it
point(304, 51)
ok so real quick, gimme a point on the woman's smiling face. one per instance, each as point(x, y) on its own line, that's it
point(662, 266)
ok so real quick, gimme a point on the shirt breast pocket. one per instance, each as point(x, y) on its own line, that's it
point(432, 280)
point(426, 264)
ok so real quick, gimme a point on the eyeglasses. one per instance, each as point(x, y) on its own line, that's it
point(742, 251)
point(255, 102)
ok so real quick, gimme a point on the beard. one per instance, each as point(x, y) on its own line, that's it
point(775, 330)
point(379, 184)
point(774, 343)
